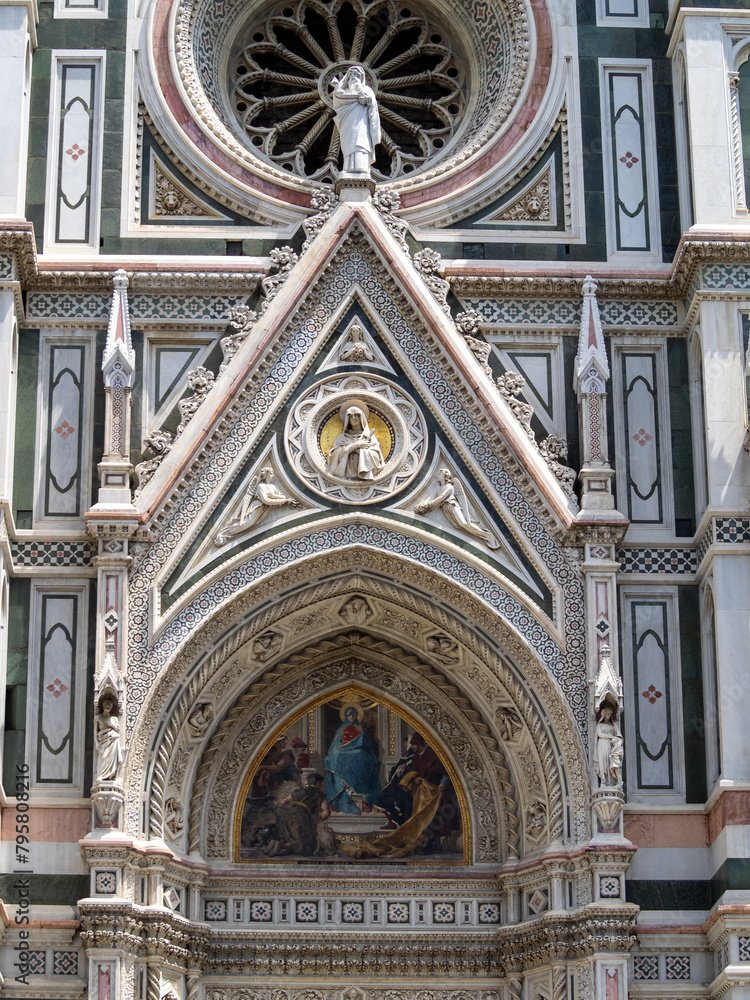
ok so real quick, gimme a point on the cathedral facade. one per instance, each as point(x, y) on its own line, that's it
point(374, 468)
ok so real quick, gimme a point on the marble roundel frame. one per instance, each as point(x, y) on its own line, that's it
point(314, 422)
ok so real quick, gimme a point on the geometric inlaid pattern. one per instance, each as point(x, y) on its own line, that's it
point(609, 886)
point(105, 883)
point(744, 945)
point(215, 909)
point(732, 529)
point(144, 307)
point(645, 966)
point(565, 312)
point(677, 966)
point(398, 913)
point(51, 553)
point(261, 910)
point(307, 911)
point(657, 560)
point(37, 963)
point(443, 913)
point(64, 963)
point(489, 913)
point(526, 312)
point(352, 913)
point(538, 901)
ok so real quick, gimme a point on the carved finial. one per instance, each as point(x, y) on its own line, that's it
point(120, 279)
point(388, 202)
point(591, 365)
point(429, 263)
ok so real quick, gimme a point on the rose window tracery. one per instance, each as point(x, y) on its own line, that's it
point(280, 83)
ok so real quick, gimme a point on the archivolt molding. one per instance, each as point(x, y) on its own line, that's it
point(515, 698)
point(200, 485)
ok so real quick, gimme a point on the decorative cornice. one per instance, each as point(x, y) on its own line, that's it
point(159, 280)
point(150, 932)
point(718, 248)
point(714, 248)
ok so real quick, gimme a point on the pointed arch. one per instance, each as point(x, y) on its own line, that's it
point(490, 673)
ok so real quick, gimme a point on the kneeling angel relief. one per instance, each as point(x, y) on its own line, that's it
point(351, 779)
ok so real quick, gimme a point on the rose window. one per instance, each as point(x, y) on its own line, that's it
point(281, 73)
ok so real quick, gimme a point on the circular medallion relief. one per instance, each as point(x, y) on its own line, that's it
point(355, 438)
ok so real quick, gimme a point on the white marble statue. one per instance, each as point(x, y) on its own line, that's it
point(356, 452)
point(108, 756)
point(609, 748)
point(260, 496)
point(451, 500)
point(355, 349)
point(357, 120)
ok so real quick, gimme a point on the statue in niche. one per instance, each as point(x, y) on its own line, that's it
point(107, 727)
point(356, 452)
point(200, 720)
point(260, 497)
point(355, 349)
point(451, 500)
point(357, 120)
point(609, 747)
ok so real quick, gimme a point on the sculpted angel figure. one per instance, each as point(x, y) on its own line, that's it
point(355, 349)
point(260, 496)
point(451, 500)
point(108, 756)
point(357, 120)
point(356, 453)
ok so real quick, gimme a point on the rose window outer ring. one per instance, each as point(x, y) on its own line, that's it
point(397, 422)
point(499, 33)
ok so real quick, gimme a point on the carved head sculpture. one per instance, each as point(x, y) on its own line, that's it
point(108, 704)
point(355, 421)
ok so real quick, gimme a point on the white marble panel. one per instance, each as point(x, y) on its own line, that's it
point(671, 863)
point(47, 858)
point(15, 65)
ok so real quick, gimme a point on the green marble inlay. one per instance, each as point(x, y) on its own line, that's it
point(23, 472)
point(52, 890)
point(674, 894)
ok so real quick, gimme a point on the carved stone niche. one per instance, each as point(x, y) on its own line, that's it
point(356, 438)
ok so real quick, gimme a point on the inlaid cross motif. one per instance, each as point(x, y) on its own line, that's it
point(57, 687)
point(65, 430)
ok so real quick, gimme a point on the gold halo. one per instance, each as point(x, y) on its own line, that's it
point(354, 402)
point(357, 708)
